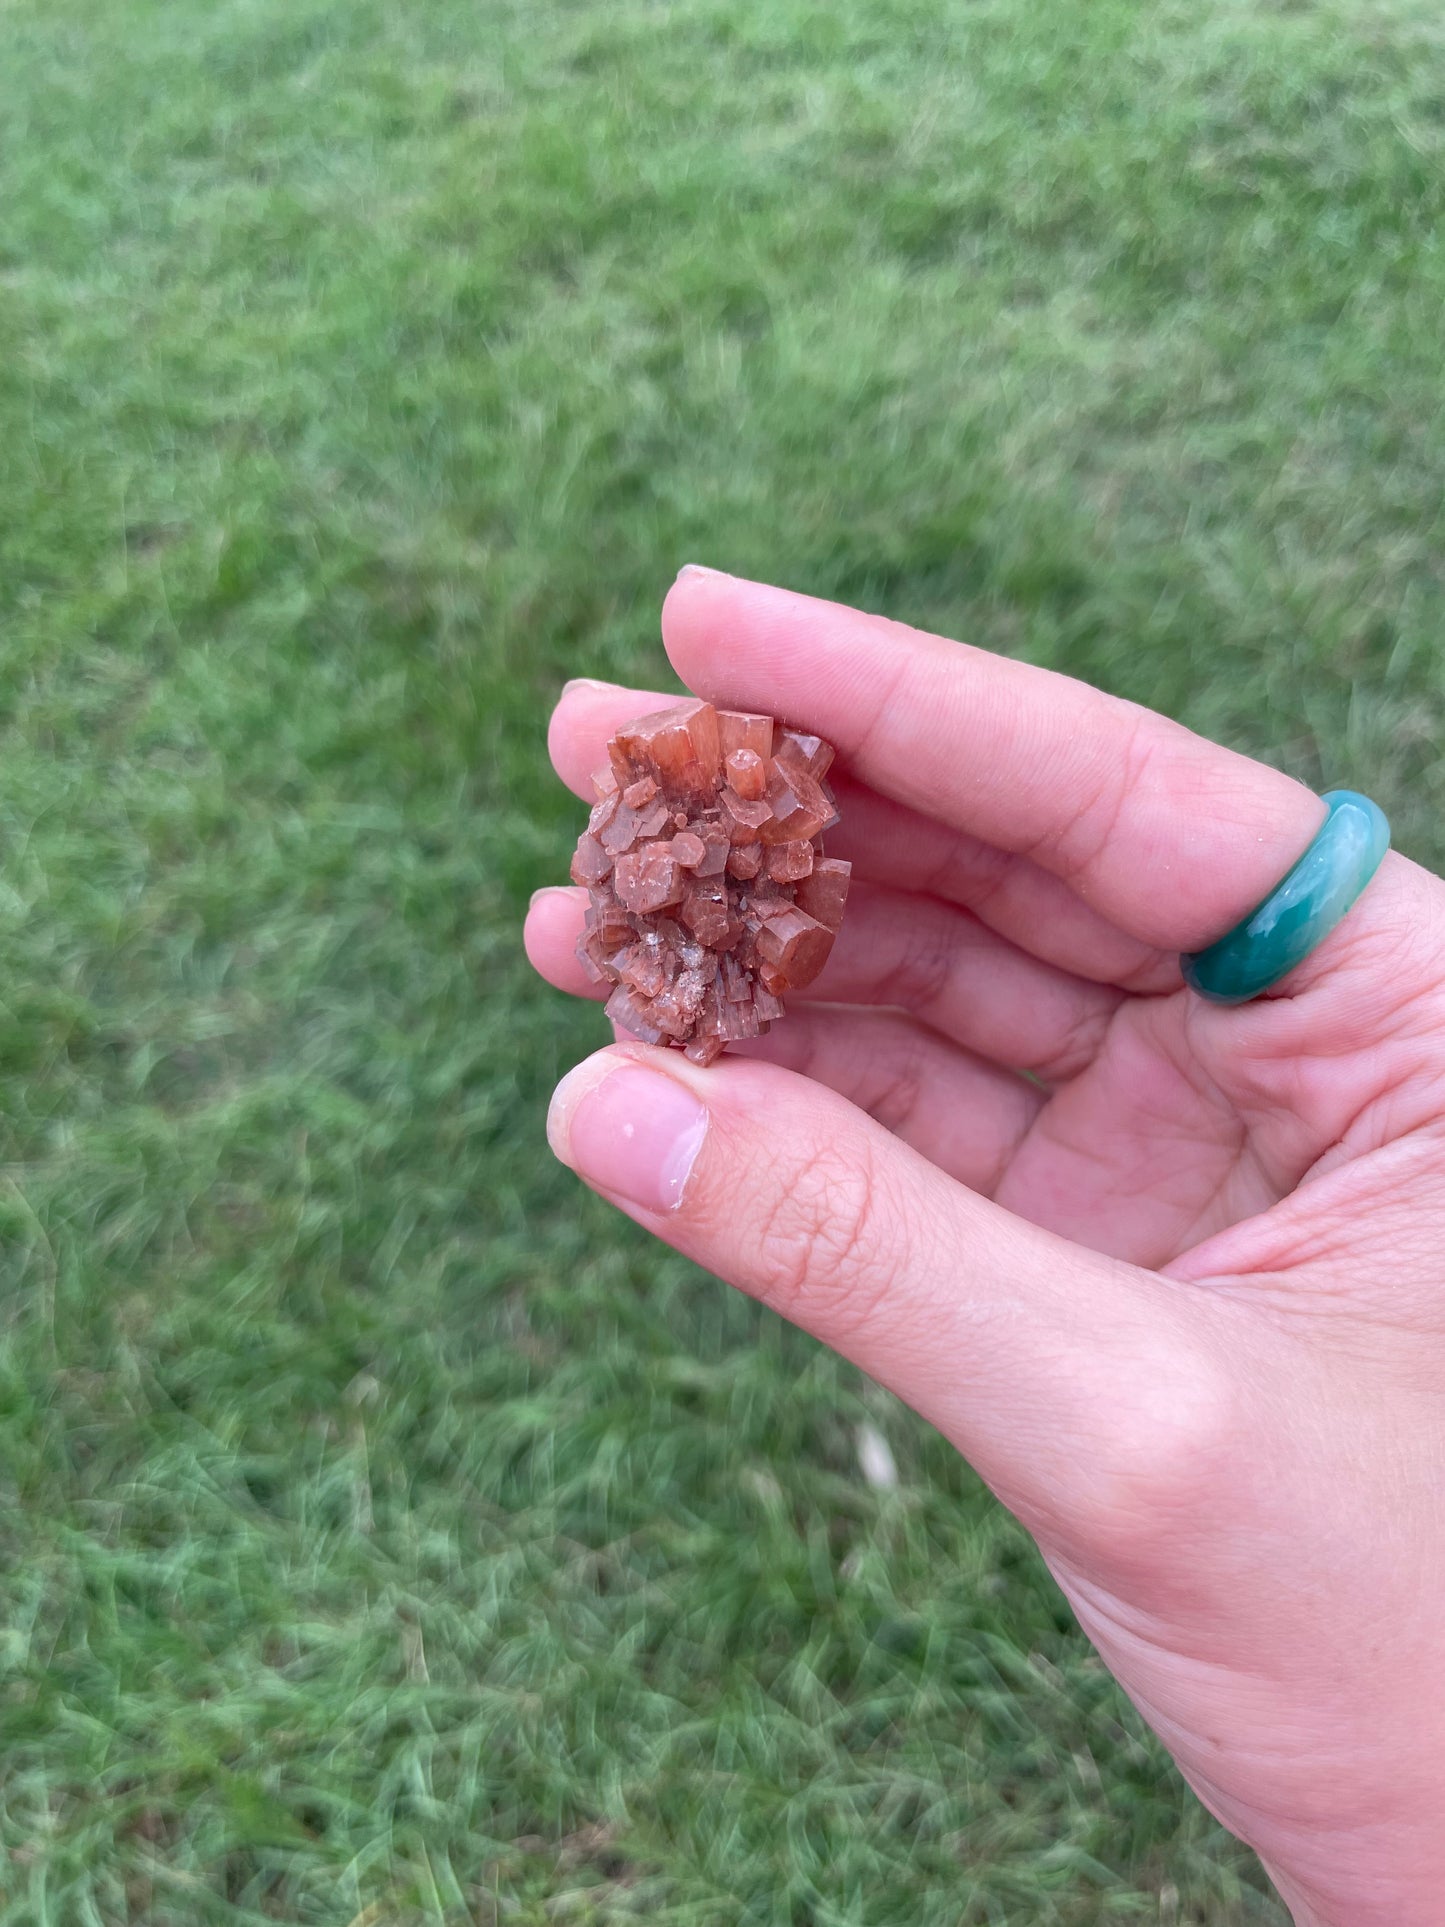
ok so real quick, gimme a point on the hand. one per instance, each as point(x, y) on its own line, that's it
point(1180, 1295)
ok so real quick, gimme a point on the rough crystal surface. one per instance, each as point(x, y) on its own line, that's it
point(710, 895)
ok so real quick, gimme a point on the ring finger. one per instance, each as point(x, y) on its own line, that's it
point(942, 965)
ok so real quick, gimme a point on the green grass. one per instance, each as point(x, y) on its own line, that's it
point(389, 1534)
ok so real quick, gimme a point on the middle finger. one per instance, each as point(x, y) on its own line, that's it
point(893, 843)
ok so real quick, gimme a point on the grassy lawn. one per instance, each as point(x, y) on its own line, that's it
point(390, 1535)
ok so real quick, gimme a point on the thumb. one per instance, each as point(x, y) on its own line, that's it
point(1088, 1393)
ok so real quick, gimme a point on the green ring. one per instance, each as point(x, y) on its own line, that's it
point(1301, 911)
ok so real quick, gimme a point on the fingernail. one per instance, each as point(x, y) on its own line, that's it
point(549, 890)
point(696, 568)
point(586, 682)
point(632, 1132)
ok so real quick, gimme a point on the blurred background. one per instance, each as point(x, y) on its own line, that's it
point(391, 1535)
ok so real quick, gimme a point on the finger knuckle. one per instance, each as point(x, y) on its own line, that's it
point(926, 960)
point(1077, 1044)
point(894, 1102)
point(825, 1254)
point(1073, 848)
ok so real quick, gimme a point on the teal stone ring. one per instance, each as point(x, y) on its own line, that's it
point(1299, 913)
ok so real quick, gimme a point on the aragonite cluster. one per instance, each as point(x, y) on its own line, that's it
point(711, 897)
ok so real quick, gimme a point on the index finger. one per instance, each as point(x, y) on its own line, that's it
point(1171, 837)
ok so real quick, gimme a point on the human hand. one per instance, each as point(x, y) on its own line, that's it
point(1181, 1298)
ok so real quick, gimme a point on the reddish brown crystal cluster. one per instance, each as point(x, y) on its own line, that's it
point(711, 895)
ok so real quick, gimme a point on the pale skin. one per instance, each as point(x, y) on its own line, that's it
point(1180, 1296)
